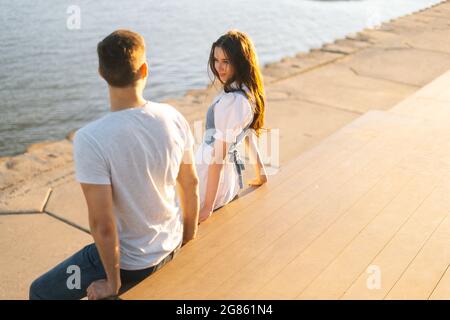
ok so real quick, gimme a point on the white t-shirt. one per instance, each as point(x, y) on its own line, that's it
point(138, 151)
point(232, 113)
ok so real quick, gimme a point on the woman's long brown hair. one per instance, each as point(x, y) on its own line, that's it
point(242, 55)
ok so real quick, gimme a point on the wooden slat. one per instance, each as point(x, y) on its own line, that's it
point(442, 289)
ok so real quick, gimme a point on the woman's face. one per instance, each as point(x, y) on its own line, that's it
point(222, 65)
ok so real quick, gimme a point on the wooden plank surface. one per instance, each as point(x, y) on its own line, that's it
point(372, 195)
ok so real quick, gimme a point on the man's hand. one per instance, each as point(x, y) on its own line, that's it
point(104, 231)
point(101, 289)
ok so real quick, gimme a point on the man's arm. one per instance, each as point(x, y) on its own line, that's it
point(104, 231)
point(189, 195)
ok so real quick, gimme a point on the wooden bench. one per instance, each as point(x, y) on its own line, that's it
point(363, 215)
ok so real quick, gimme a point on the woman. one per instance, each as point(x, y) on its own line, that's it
point(236, 115)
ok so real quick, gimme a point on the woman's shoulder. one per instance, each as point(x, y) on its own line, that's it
point(233, 107)
point(232, 98)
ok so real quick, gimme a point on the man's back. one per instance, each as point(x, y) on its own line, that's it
point(129, 164)
point(138, 151)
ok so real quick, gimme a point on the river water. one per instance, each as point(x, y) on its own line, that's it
point(48, 64)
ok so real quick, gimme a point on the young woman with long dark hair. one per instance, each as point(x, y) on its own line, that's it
point(236, 115)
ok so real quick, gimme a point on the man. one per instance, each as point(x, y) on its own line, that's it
point(129, 163)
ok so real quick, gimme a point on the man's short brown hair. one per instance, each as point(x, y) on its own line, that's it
point(120, 56)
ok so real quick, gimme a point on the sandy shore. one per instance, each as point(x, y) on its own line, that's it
point(309, 96)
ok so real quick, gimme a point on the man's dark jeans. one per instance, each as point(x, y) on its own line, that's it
point(57, 283)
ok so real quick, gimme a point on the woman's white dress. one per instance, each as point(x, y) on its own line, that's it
point(232, 113)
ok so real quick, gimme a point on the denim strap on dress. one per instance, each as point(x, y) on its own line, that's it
point(235, 156)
